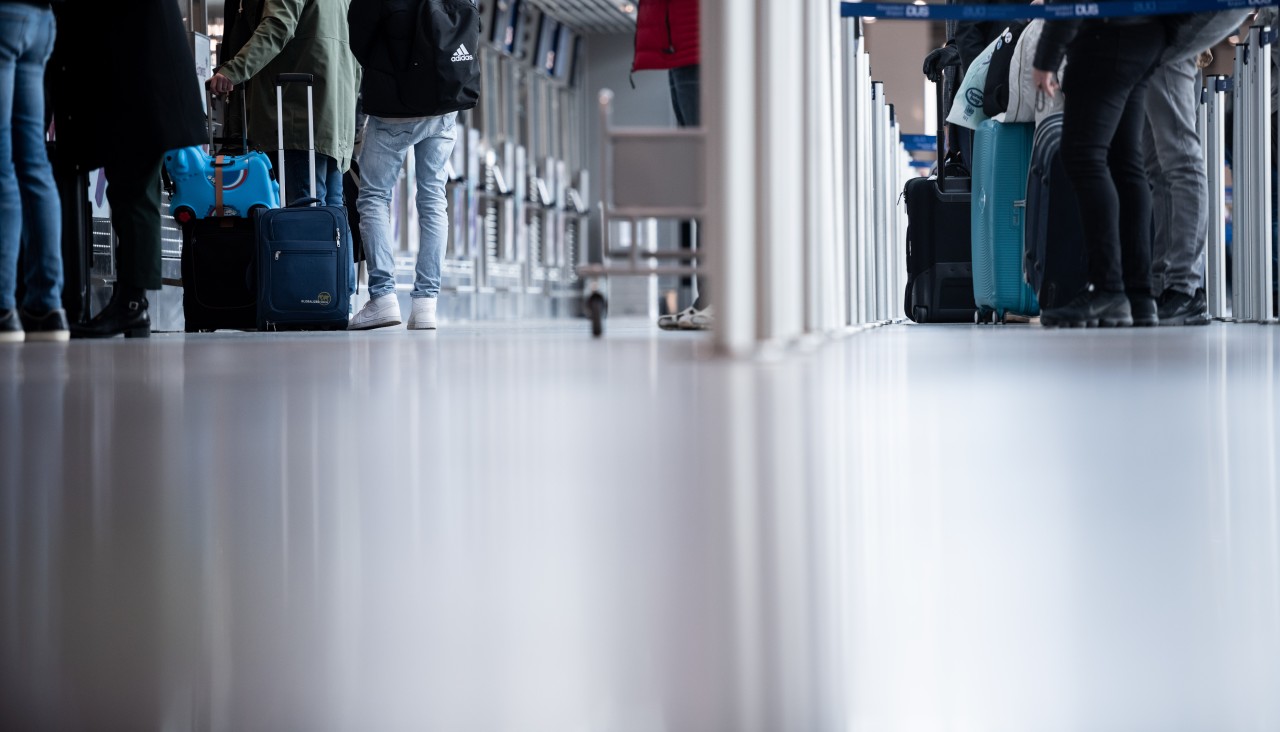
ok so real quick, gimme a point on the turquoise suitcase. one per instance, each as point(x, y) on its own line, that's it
point(1001, 159)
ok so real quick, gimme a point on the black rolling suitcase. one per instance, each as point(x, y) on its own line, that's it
point(217, 257)
point(217, 261)
point(1054, 262)
point(939, 243)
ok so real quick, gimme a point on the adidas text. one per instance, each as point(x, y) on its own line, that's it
point(462, 54)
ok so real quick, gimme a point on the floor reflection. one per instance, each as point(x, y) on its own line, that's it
point(503, 529)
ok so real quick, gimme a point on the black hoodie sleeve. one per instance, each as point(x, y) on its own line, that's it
point(1053, 42)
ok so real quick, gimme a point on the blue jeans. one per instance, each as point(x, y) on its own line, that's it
point(685, 99)
point(386, 143)
point(29, 204)
point(297, 180)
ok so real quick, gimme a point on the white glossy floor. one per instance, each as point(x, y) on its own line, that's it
point(511, 527)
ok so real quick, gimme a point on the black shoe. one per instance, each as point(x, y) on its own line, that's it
point(10, 327)
point(126, 313)
point(1179, 308)
point(1144, 310)
point(1091, 309)
point(52, 326)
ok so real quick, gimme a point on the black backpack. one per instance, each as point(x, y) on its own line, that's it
point(995, 93)
point(428, 48)
point(450, 38)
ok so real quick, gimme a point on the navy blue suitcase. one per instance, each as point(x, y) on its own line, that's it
point(304, 260)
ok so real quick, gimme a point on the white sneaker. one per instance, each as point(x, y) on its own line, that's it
point(424, 314)
point(672, 321)
point(697, 319)
point(377, 313)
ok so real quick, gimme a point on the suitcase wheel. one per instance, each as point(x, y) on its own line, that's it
point(920, 314)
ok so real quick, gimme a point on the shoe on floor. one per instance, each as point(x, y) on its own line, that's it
point(1179, 308)
point(1144, 311)
point(379, 312)
point(697, 319)
point(424, 314)
point(672, 320)
point(11, 327)
point(52, 326)
point(1091, 309)
point(125, 313)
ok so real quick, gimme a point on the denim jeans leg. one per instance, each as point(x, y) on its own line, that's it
point(298, 177)
point(1178, 181)
point(685, 100)
point(29, 205)
point(328, 189)
point(431, 154)
point(13, 30)
point(41, 205)
point(382, 156)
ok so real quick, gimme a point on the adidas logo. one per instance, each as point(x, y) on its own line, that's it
point(462, 54)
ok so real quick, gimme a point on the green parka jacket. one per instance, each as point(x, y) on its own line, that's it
point(301, 36)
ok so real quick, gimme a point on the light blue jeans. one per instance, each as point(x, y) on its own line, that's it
point(382, 155)
point(29, 204)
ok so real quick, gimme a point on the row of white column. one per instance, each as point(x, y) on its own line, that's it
point(1251, 275)
point(804, 230)
point(1249, 298)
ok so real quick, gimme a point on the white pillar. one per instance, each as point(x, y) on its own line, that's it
point(729, 107)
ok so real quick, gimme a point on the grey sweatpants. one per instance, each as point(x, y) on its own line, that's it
point(1175, 164)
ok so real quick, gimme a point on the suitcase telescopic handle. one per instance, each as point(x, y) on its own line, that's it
point(307, 80)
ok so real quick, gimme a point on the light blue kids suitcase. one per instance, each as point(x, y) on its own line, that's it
point(1001, 159)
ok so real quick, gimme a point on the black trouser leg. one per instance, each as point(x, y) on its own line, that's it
point(1102, 150)
point(133, 190)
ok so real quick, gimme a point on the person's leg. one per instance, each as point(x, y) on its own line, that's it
point(685, 95)
point(382, 156)
point(12, 27)
point(133, 190)
point(1103, 69)
point(431, 153)
point(1160, 214)
point(1134, 191)
point(330, 193)
point(298, 183)
point(1180, 191)
point(41, 206)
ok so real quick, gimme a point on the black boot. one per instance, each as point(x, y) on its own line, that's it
point(126, 313)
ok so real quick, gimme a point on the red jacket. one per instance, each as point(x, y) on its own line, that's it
point(666, 34)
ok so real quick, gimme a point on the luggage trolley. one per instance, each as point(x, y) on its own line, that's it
point(647, 173)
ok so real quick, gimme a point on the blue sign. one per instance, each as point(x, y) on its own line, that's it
point(1063, 11)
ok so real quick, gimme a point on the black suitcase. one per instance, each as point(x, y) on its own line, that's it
point(939, 243)
point(1054, 262)
point(217, 260)
point(217, 257)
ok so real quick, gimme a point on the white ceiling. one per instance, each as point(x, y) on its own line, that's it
point(592, 16)
point(584, 16)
